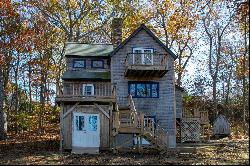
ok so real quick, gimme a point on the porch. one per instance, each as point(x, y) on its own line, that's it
point(84, 92)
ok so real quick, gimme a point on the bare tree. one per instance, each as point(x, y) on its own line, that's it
point(215, 31)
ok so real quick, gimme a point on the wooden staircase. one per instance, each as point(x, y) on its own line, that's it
point(127, 120)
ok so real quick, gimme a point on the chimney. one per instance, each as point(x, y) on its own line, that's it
point(116, 34)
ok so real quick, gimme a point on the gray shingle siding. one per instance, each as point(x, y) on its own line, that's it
point(164, 106)
point(178, 95)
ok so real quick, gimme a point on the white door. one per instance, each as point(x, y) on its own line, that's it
point(85, 130)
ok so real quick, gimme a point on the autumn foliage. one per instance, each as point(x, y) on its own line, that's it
point(33, 36)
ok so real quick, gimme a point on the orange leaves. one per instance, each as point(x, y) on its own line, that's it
point(240, 67)
point(1, 59)
point(6, 8)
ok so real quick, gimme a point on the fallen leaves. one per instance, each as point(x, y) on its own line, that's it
point(30, 148)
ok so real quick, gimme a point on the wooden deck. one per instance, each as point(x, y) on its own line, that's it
point(189, 112)
point(102, 92)
point(137, 66)
point(85, 99)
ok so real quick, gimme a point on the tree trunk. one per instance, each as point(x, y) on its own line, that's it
point(30, 90)
point(42, 103)
point(215, 96)
point(16, 90)
point(2, 132)
point(244, 72)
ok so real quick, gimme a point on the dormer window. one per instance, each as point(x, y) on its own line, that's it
point(143, 56)
point(79, 63)
point(97, 64)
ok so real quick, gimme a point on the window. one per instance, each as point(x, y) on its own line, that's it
point(143, 56)
point(88, 89)
point(80, 63)
point(92, 123)
point(97, 64)
point(79, 123)
point(144, 89)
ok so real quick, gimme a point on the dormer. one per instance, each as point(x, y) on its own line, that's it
point(84, 60)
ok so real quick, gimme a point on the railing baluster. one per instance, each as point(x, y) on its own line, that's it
point(76, 89)
point(104, 90)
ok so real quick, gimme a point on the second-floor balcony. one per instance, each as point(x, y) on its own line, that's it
point(85, 92)
point(146, 65)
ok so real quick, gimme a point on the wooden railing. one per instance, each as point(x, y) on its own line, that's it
point(190, 112)
point(100, 89)
point(133, 119)
point(204, 116)
point(131, 103)
point(156, 131)
point(146, 59)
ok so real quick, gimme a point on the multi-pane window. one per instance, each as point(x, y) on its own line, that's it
point(79, 63)
point(92, 123)
point(142, 56)
point(144, 89)
point(88, 89)
point(79, 123)
point(97, 64)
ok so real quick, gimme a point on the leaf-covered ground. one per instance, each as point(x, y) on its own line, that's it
point(28, 148)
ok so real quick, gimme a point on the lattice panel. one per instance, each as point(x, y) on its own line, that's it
point(190, 130)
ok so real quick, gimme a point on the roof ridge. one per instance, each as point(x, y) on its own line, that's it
point(143, 26)
point(89, 43)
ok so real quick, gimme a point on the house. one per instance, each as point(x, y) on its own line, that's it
point(119, 95)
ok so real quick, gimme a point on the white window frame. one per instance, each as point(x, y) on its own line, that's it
point(142, 55)
point(92, 89)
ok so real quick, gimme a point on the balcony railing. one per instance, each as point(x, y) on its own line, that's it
point(146, 64)
point(146, 59)
point(78, 92)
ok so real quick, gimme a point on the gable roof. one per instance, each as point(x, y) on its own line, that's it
point(143, 27)
point(81, 49)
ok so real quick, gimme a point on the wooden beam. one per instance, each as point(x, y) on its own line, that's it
point(111, 126)
point(70, 110)
point(100, 108)
point(61, 127)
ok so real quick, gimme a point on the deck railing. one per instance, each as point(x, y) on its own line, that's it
point(134, 119)
point(146, 59)
point(190, 112)
point(72, 89)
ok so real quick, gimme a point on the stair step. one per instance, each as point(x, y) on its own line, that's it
point(123, 108)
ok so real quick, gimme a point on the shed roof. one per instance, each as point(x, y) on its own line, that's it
point(81, 49)
point(85, 75)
